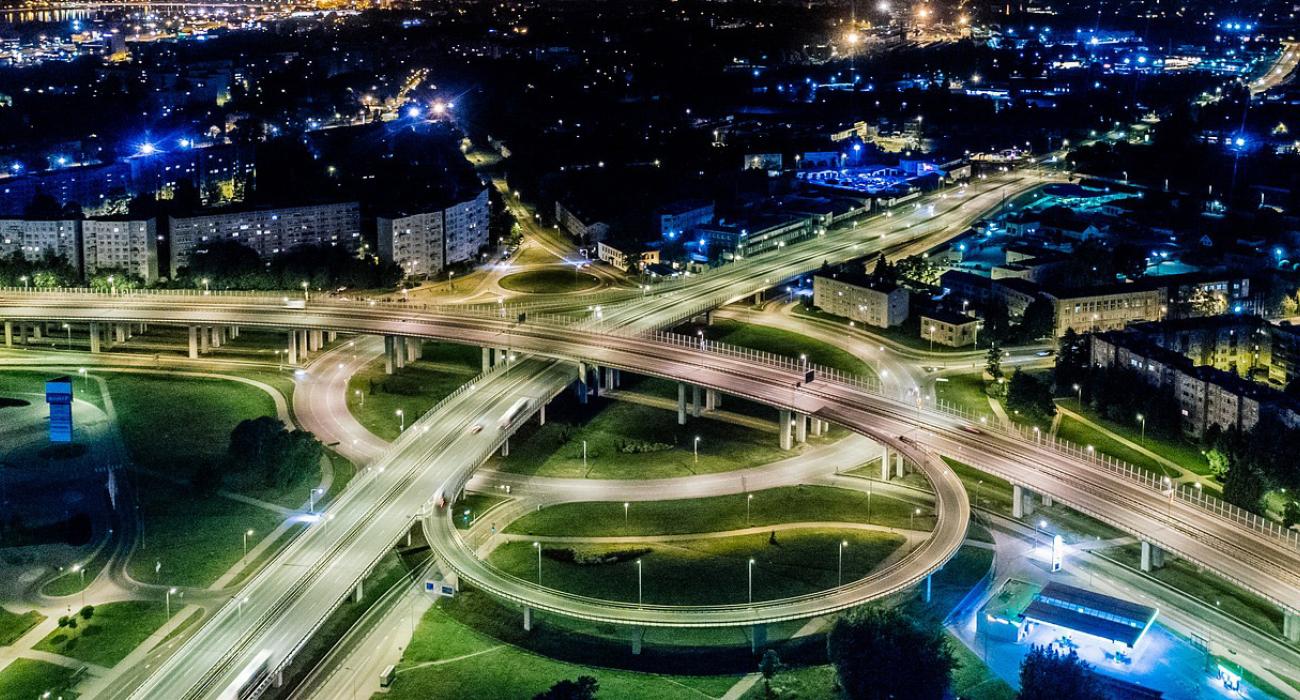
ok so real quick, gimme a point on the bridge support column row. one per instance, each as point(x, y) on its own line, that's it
point(681, 403)
point(696, 406)
point(9, 334)
point(505, 448)
point(611, 379)
point(487, 360)
point(783, 427)
point(193, 336)
point(292, 352)
point(1153, 557)
point(817, 426)
point(711, 400)
point(1291, 626)
point(94, 337)
point(801, 427)
point(528, 619)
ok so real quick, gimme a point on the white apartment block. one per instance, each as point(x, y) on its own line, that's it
point(268, 231)
point(130, 246)
point(33, 239)
point(424, 243)
point(859, 298)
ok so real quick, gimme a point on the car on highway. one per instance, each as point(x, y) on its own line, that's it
point(476, 429)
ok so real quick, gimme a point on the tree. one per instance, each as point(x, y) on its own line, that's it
point(1030, 397)
point(769, 666)
point(1243, 485)
point(264, 447)
point(584, 688)
point(1072, 360)
point(993, 361)
point(1046, 674)
point(1039, 320)
point(880, 653)
point(86, 612)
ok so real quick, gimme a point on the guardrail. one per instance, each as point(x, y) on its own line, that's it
point(1028, 434)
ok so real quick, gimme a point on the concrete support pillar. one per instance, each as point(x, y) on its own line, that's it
point(205, 340)
point(503, 356)
point(900, 466)
point(1017, 501)
point(216, 336)
point(331, 336)
point(487, 359)
point(94, 336)
point(234, 332)
point(388, 354)
point(22, 333)
point(783, 421)
point(1047, 500)
point(638, 634)
point(38, 329)
point(411, 345)
point(417, 346)
point(505, 448)
point(609, 379)
point(304, 346)
point(696, 407)
point(317, 340)
point(1152, 557)
point(580, 390)
point(758, 638)
point(9, 334)
point(817, 427)
point(710, 399)
point(801, 427)
point(399, 351)
point(884, 464)
point(681, 403)
point(358, 593)
point(1291, 626)
point(528, 619)
point(541, 415)
point(293, 347)
point(928, 581)
point(593, 379)
point(119, 332)
point(618, 378)
point(194, 342)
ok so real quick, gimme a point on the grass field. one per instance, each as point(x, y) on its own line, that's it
point(966, 391)
point(801, 562)
point(549, 281)
point(27, 678)
point(718, 513)
point(1207, 588)
point(15, 625)
point(114, 631)
point(1083, 434)
point(783, 342)
point(375, 397)
point(476, 504)
point(1181, 452)
point(471, 664)
point(626, 440)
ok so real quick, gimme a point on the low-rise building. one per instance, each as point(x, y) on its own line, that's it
point(267, 231)
point(967, 288)
point(1016, 294)
point(1107, 308)
point(949, 328)
point(121, 244)
point(756, 235)
point(859, 297)
point(680, 218)
point(585, 228)
point(627, 255)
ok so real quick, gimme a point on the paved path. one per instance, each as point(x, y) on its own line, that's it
point(1185, 476)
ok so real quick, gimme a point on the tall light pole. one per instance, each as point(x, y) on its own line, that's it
point(68, 328)
point(749, 501)
point(931, 337)
point(639, 589)
point(625, 506)
point(1143, 420)
point(306, 296)
point(312, 499)
point(401, 417)
point(911, 519)
point(23, 279)
point(538, 545)
point(584, 455)
point(839, 581)
point(78, 568)
point(697, 449)
point(751, 581)
point(170, 592)
point(361, 396)
point(1078, 389)
point(247, 533)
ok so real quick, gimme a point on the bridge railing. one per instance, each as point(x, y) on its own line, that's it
point(988, 421)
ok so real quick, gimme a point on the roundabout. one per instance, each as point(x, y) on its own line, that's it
point(549, 280)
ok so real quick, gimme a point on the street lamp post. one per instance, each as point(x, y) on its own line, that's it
point(911, 518)
point(625, 506)
point(247, 534)
point(751, 581)
point(1143, 420)
point(697, 449)
point(749, 501)
point(1078, 389)
point(78, 568)
point(401, 417)
point(839, 581)
point(68, 328)
point(639, 589)
point(931, 337)
point(170, 592)
point(584, 455)
point(306, 296)
point(311, 507)
point(538, 545)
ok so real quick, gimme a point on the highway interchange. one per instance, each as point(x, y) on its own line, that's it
point(438, 453)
